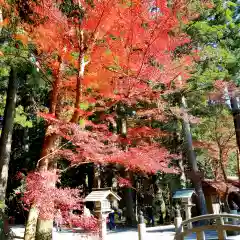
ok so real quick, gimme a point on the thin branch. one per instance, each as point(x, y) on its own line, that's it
point(34, 64)
point(55, 151)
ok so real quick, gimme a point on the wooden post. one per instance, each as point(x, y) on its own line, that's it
point(188, 213)
point(221, 233)
point(141, 227)
point(238, 221)
point(178, 223)
point(225, 220)
point(200, 235)
point(103, 226)
point(234, 220)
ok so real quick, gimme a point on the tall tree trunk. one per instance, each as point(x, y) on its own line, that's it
point(238, 164)
point(96, 176)
point(183, 179)
point(222, 167)
point(26, 140)
point(128, 198)
point(236, 118)
point(114, 182)
point(177, 150)
point(223, 174)
point(1, 19)
point(44, 227)
point(50, 145)
point(30, 229)
point(128, 194)
point(6, 135)
point(192, 159)
point(159, 206)
point(35, 227)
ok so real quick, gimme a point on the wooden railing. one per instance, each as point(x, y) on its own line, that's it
point(219, 226)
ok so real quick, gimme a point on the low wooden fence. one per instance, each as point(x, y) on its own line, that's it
point(224, 222)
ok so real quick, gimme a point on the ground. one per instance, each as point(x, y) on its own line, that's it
point(156, 233)
point(153, 233)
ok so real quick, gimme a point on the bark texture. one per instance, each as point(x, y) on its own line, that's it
point(44, 229)
point(51, 143)
point(6, 135)
point(96, 176)
point(192, 159)
point(35, 227)
point(236, 118)
point(30, 228)
point(128, 192)
point(1, 19)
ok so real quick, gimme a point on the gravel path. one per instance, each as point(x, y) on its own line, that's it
point(156, 233)
point(153, 233)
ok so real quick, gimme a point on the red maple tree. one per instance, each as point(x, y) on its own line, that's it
point(120, 52)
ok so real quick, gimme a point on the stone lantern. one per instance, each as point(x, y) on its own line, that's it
point(186, 196)
point(102, 198)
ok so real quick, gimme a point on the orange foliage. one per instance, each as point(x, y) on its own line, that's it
point(119, 51)
point(133, 39)
point(4, 22)
point(126, 46)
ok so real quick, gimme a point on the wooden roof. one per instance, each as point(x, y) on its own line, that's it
point(184, 193)
point(212, 186)
point(98, 195)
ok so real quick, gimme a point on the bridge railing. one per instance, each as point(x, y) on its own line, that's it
point(221, 227)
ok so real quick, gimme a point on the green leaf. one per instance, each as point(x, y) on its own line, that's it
point(82, 122)
point(21, 118)
point(108, 52)
point(84, 106)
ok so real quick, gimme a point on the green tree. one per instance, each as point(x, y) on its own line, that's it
point(216, 35)
point(215, 139)
point(215, 38)
point(18, 74)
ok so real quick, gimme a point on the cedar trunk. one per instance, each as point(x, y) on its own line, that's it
point(1, 19)
point(6, 135)
point(96, 176)
point(192, 160)
point(236, 119)
point(128, 194)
